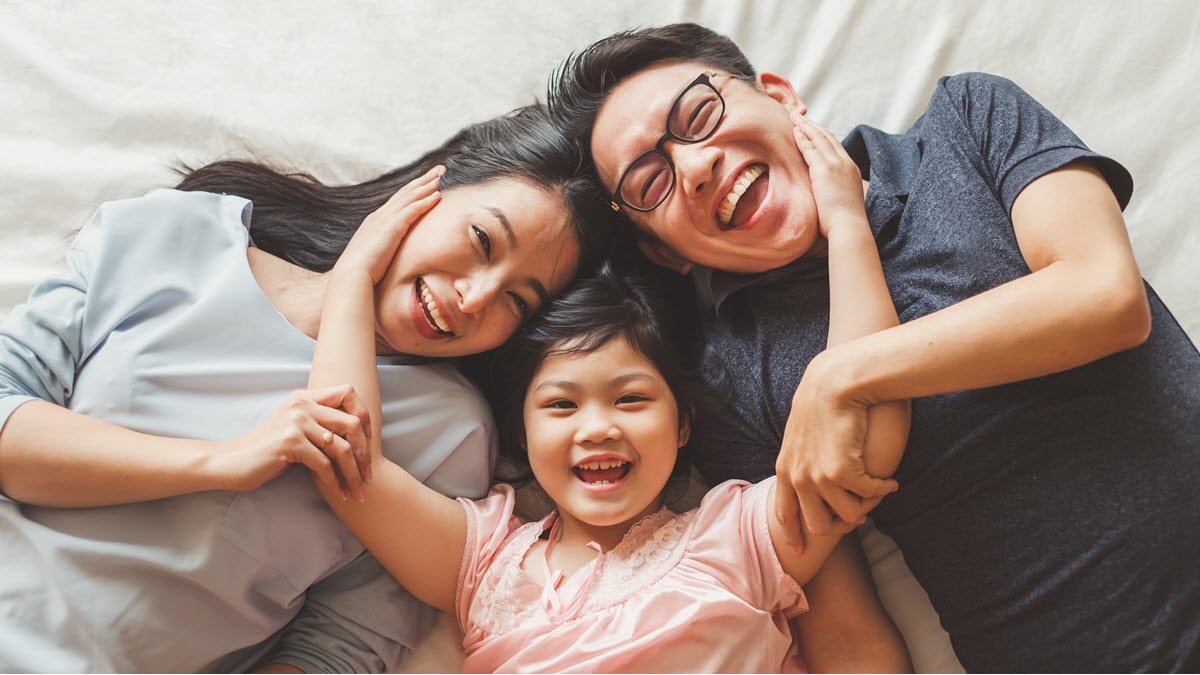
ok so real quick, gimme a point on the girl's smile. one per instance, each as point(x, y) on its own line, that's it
point(603, 432)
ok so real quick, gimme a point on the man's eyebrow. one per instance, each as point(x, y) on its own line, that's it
point(507, 226)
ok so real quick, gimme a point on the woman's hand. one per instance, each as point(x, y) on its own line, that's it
point(837, 184)
point(374, 245)
point(324, 429)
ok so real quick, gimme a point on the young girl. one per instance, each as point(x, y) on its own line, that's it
point(153, 402)
point(611, 580)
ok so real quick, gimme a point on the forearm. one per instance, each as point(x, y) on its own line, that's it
point(1056, 319)
point(859, 305)
point(51, 456)
point(345, 352)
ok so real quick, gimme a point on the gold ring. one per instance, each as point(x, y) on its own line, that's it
point(326, 439)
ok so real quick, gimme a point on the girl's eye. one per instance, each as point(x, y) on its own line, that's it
point(522, 306)
point(632, 398)
point(561, 404)
point(484, 240)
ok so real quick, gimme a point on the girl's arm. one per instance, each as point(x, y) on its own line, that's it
point(416, 533)
point(859, 305)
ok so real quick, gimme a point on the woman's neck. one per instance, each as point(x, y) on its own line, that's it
point(296, 293)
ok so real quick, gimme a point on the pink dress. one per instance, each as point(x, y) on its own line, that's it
point(700, 591)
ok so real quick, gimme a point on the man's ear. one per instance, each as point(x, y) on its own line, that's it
point(779, 88)
point(660, 254)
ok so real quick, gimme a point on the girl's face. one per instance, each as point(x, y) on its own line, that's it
point(602, 432)
point(472, 269)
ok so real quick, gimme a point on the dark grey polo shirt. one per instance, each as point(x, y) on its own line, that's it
point(1052, 521)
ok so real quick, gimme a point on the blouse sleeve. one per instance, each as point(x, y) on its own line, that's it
point(489, 523)
point(733, 519)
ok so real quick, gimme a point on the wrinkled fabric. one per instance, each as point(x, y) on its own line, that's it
point(159, 326)
point(701, 591)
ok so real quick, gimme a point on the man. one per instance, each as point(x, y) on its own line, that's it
point(1055, 444)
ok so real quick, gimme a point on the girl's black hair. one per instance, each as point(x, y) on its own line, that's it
point(300, 219)
point(649, 307)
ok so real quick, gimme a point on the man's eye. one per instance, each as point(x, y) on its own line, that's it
point(701, 117)
point(484, 240)
point(654, 186)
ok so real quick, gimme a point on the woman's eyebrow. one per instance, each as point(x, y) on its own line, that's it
point(504, 224)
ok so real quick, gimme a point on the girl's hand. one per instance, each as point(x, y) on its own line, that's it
point(836, 181)
point(323, 429)
point(374, 245)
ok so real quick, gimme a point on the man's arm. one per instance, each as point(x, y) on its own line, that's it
point(1083, 300)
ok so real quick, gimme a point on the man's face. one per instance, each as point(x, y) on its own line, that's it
point(750, 162)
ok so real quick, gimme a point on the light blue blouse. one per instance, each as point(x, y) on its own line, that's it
point(159, 326)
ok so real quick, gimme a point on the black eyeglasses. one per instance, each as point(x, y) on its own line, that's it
point(693, 117)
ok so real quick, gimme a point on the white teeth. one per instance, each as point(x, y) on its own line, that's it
point(600, 466)
point(752, 172)
point(427, 297)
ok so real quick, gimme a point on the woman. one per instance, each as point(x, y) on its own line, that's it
point(152, 404)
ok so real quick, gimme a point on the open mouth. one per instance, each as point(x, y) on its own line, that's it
point(744, 197)
point(430, 310)
point(602, 472)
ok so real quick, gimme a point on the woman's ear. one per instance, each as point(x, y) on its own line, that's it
point(779, 88)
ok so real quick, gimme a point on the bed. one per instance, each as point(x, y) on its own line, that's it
point(101, 101)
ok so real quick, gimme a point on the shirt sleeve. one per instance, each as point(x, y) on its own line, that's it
point(1018, 139)
point(358, 620)
point(732, 531)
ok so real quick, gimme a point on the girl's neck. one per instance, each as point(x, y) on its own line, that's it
point(574, 534)
point(296, 293)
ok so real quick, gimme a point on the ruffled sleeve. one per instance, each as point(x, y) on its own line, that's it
point(490, 521)
point(731, 524)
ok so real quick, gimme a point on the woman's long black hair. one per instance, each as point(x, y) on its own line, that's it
point(306, 222)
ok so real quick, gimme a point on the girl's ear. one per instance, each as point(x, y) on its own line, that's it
point(685, 426)
point(779, 88)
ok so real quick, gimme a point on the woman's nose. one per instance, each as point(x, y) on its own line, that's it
point(476, 292)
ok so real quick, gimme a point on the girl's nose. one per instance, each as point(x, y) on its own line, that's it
point(596, 427)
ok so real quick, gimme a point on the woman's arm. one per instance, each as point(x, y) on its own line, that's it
point(859, 305)
point(416, 533)
point(52, 456)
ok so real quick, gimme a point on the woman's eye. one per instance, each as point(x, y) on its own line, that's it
point(522, 306)
point(484, 240)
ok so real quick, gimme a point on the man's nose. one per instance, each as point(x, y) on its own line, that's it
point(695, 165)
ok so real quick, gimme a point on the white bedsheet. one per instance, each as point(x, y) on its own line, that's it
point(97, 100)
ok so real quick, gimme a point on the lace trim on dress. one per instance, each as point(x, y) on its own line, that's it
point(508, 597)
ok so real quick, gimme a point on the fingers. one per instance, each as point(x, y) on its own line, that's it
point(359, 433)
point(787, 513)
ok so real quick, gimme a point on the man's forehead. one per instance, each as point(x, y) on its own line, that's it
point(634, 113)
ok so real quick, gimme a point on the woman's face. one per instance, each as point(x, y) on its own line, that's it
point(487, 256)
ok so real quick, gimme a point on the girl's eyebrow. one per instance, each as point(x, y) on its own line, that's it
point(571, 385)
